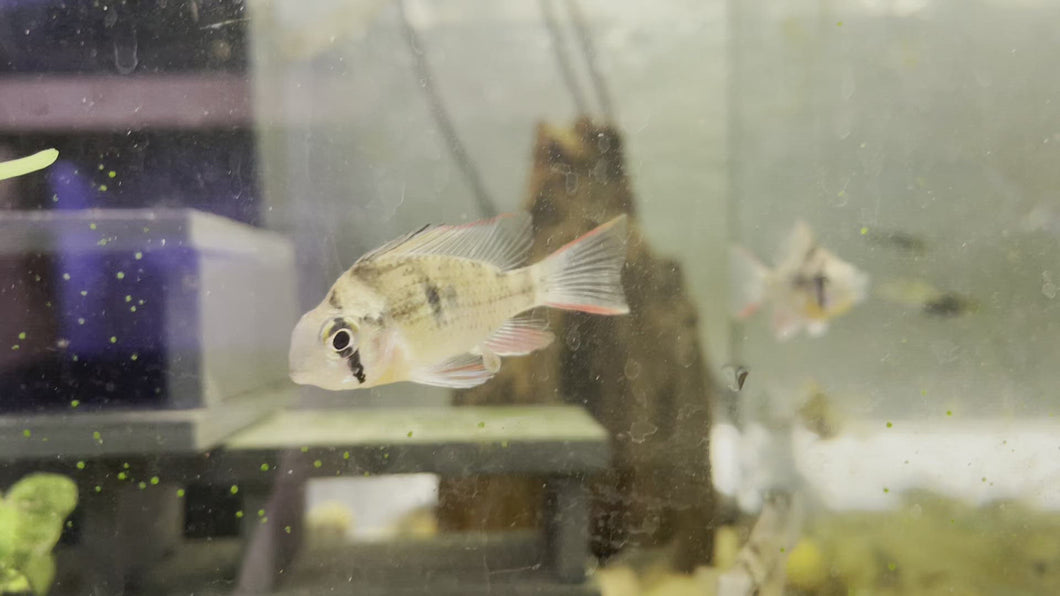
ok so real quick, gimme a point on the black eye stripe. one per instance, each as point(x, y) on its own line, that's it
point(354, 362)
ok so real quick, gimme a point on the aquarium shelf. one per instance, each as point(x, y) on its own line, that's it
point(81, 103)
point(562, 445)
point(79, 436)
point(459, 564)
point(449, 441)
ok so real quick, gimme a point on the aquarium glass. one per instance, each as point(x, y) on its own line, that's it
point(713, 297)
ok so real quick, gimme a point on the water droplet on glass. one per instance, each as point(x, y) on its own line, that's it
point(126, 52)
point(632, 369)
point(571, 183)
point(945, 351)
point(640, 430)
point(574, 340)
point(735, 376)
point(1048, 287)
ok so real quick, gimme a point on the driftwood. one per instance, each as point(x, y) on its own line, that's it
point(642, 376)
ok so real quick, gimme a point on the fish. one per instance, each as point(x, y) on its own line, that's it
point(808, 287)
point(442, 305)
point(897, 240)
point(931, 301)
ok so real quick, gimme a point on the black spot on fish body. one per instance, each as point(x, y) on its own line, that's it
point(354, 362)
point(333, 299)
point(819, 282)
point(434, 299)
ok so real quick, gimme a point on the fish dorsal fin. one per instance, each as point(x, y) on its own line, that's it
point(520, 335)
point(458, 372)
point(502, 241)
point(796, 245)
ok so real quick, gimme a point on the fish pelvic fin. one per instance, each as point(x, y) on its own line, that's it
point(586, 274)
point(748, 282)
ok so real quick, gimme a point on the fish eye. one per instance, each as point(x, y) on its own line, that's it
point(340, 340)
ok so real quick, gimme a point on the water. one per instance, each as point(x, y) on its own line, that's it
point(908, 450)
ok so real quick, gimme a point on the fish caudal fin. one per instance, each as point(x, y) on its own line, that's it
point(586, 274)
point(748, 282)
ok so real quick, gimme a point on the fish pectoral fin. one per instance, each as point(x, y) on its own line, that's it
point(520, 335)
point(458, 372)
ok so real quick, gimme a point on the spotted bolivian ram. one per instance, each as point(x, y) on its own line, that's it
point(442, 305)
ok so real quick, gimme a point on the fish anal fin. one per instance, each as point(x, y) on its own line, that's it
point(503, 241)
point(520, 335)
point(458, 372)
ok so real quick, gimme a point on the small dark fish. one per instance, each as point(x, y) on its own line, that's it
point(735, 376)
point(929, 299)
point(896, 239)
point(948, 304)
